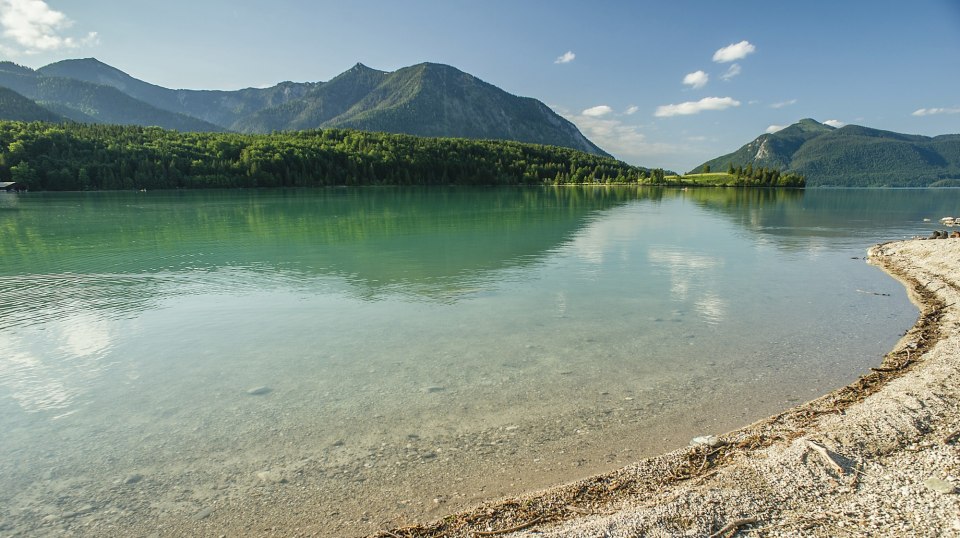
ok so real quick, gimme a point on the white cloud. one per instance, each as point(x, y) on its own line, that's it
point(36, 27)
point(732, 71)
point(697, 79)
point(734, 52)
point(624, 140)
point(834, 123)
point(775, 128)
point(696, 107)
point(565, 58)
point(632, 109)
point(932, 111)
point(597, 111)
point(782, 104)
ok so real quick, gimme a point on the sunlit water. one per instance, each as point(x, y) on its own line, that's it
point(416, 351)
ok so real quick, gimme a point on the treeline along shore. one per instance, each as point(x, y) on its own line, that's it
point(74, 157)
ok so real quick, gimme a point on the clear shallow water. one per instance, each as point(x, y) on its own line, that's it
point(419, 345)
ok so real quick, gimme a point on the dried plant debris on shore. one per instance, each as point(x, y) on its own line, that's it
point(864, 459)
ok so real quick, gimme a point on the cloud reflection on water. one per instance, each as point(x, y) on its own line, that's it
point(49, 373)
point(690, 276)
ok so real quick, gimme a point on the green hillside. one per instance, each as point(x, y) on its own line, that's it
point(88, 102)
point(772, 150)
point(321, 105)
point(16, 107)
point(222, 108)
point(425, 100)
point(852, 156)
point(858, 156)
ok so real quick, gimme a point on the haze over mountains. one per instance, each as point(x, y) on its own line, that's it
point(426, 99)
point(851, 156)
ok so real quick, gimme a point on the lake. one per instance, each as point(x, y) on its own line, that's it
point(346, 360)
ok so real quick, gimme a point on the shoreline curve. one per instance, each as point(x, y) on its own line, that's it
point(878, 456)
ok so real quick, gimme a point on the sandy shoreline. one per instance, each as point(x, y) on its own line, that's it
point(878, 457)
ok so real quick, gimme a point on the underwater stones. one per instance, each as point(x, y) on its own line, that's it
point(202, 514)
point(271, 477)
point(940, 486)
point(707, 440)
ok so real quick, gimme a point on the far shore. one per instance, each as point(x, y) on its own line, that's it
point(879, 457)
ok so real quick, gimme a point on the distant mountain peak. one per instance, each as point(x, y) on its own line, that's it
point(435, 65)
point(810, 124)
point(10, 67)
point(81, 63)
point(362, 69)
point(427, 99)
point(849, 156)
point(91, 60)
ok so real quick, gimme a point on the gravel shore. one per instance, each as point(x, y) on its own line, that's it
point(879, 457)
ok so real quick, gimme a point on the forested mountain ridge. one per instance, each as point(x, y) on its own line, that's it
point(320, 105)
point(18, 108)
point(219, 107)
point(432, 100)
point(88, 102)
point(851, 156)
point(427, 99)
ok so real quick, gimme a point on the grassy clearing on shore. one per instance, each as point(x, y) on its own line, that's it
point(711, 179)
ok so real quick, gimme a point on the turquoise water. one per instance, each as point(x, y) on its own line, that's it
point(416, 351)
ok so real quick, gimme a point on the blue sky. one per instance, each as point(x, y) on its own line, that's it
point(668, 84)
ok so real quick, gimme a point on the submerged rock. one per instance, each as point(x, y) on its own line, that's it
point(271, 477)
point(202, 514)
point(708, 440)
point(940, 486)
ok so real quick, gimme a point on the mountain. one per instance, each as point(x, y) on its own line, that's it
point(771, 150)
point(221, 108)
point(851, 156)
point(427, 100)
point(319, 106)
point(88, 102)
point(16, 107)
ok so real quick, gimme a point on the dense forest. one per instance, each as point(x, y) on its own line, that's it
point(762, 176)
point(45, 156)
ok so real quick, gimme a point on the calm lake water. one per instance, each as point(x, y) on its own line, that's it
point(415, 351)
